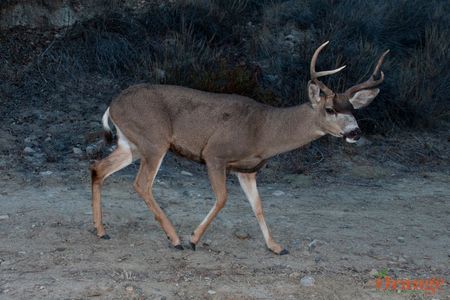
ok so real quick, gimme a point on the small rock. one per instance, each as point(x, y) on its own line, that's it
point(242, 235)
point(29, 139)
point(401, 259)
point(45, 173)
point(401, 239)
point(4, 217)
point(312, 245)
point(28, 150)
point(129, 289)
point(186, 173)
point(307, 281)
point(77, 151)
point(91, 150)
point(42, 287)
point(211, 292)
point(188, 194)
point(373, 273)
point(278, 193)
point(294, 275)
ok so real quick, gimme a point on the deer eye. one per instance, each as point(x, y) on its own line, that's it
point(330, 110)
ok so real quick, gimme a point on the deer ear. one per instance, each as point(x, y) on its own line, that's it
point(314, 94)
point(363, 98)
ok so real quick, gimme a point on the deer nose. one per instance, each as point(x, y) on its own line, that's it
point(354, 134)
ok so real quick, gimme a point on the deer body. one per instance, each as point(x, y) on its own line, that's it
point(226, 132)
point(200, 125)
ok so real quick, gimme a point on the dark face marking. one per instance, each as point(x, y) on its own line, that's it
point(341, 104)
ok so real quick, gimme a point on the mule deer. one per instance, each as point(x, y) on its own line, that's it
point(226, 132)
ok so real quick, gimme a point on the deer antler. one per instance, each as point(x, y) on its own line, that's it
point(371, 82)
point(315, 75)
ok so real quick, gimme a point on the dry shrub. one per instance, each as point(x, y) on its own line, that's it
point(262, 49)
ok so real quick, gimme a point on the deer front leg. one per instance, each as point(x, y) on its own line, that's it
point(248, 184)
point(217, 176)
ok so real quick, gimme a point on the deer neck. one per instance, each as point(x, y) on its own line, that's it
point(290, 128)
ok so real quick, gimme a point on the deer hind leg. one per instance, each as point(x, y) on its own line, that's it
point(121, 157)
point(248, 184)
point(143, 186)
point(217, 176)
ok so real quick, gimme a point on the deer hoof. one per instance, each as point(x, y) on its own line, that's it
point(192, 246)
point(105, 237)
point(179, 247)
point(283, 252)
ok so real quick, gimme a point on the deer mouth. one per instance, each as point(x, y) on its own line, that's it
point(353, 136)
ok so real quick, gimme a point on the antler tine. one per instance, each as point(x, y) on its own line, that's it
point(315, 75)
point(371, 82)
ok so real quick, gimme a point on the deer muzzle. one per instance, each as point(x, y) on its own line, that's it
point(353, 135)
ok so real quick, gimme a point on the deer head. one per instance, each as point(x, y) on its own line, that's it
point(335, 109)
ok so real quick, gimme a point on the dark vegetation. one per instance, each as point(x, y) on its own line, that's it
point(262, 49)
point(56, 83)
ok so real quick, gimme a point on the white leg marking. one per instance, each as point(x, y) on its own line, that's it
point(251, 191)
point(157, 169)
point(207, 216)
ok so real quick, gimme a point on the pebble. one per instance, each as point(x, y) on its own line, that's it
point(4, 217)
point(28, 150)
point(401, 239)
point(307, 281)
point(77, 151)
point(242, 235)
point(45, 173)
point(186, 173)
point(402, 259)
point(211, 292)
point(30, 139)
point(129, 288)
point(312, 245)
point(91, 150)
point(278, 193)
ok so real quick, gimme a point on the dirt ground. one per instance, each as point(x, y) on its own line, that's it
point(347, 213)
point(338, 229)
